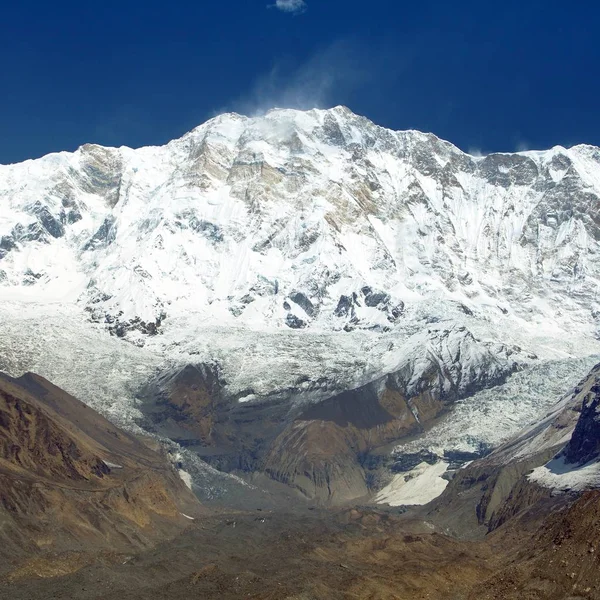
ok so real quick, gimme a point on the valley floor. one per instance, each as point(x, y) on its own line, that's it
point(335, 554)
point(353, 553)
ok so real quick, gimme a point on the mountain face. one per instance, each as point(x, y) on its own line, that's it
point(303, 219)
point(300, 308)
point(266, 278)
point(69, 480)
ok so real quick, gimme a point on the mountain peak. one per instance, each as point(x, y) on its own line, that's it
point(313, 205)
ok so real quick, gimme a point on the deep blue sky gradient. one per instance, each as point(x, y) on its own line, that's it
point(486, 75)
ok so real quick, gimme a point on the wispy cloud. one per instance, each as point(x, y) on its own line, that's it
point(294, 7)
point(333, 75)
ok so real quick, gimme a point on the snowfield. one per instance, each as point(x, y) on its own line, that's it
point(564, 477)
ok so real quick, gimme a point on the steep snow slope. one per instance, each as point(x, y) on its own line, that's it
point(315, 218)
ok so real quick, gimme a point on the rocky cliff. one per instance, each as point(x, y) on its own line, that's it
point(72, 481)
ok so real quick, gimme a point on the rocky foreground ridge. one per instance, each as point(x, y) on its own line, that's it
point(70, 481)
point(544, 547)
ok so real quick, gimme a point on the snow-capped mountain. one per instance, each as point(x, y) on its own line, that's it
point(304, 254)
point(300, 219)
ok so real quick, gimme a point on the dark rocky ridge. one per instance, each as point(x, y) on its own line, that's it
point(69, 480)
point(584, 445)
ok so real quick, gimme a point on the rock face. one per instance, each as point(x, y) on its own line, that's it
point(70, 479)
point(584, 445)
point(320, 452)
point(186, 403)
point(32, 443)
point(324, 450)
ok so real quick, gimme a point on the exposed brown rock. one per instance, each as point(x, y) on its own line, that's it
point(70, 480)
point(550, 553)
point(318, 450)
point(319, 453)
point(561, 560)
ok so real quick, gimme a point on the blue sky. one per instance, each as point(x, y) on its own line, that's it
point(485, 75)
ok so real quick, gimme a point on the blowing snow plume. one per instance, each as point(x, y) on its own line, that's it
point(326, 79)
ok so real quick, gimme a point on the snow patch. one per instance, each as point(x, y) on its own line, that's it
point(418, 486)
point(564, 477)
point(187, 478)
point(112, 465)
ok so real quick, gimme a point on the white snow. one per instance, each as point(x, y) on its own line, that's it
point(112, 465)
point(418, 486)
point(564, 477)
point(197, 224)
point(187, 478)
point(216, 231)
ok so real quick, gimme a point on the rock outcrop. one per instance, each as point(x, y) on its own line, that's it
point(584, 444)
point(69, 480)
point(323, 449)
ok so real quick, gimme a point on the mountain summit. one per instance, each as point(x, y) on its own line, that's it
point(303, 219)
